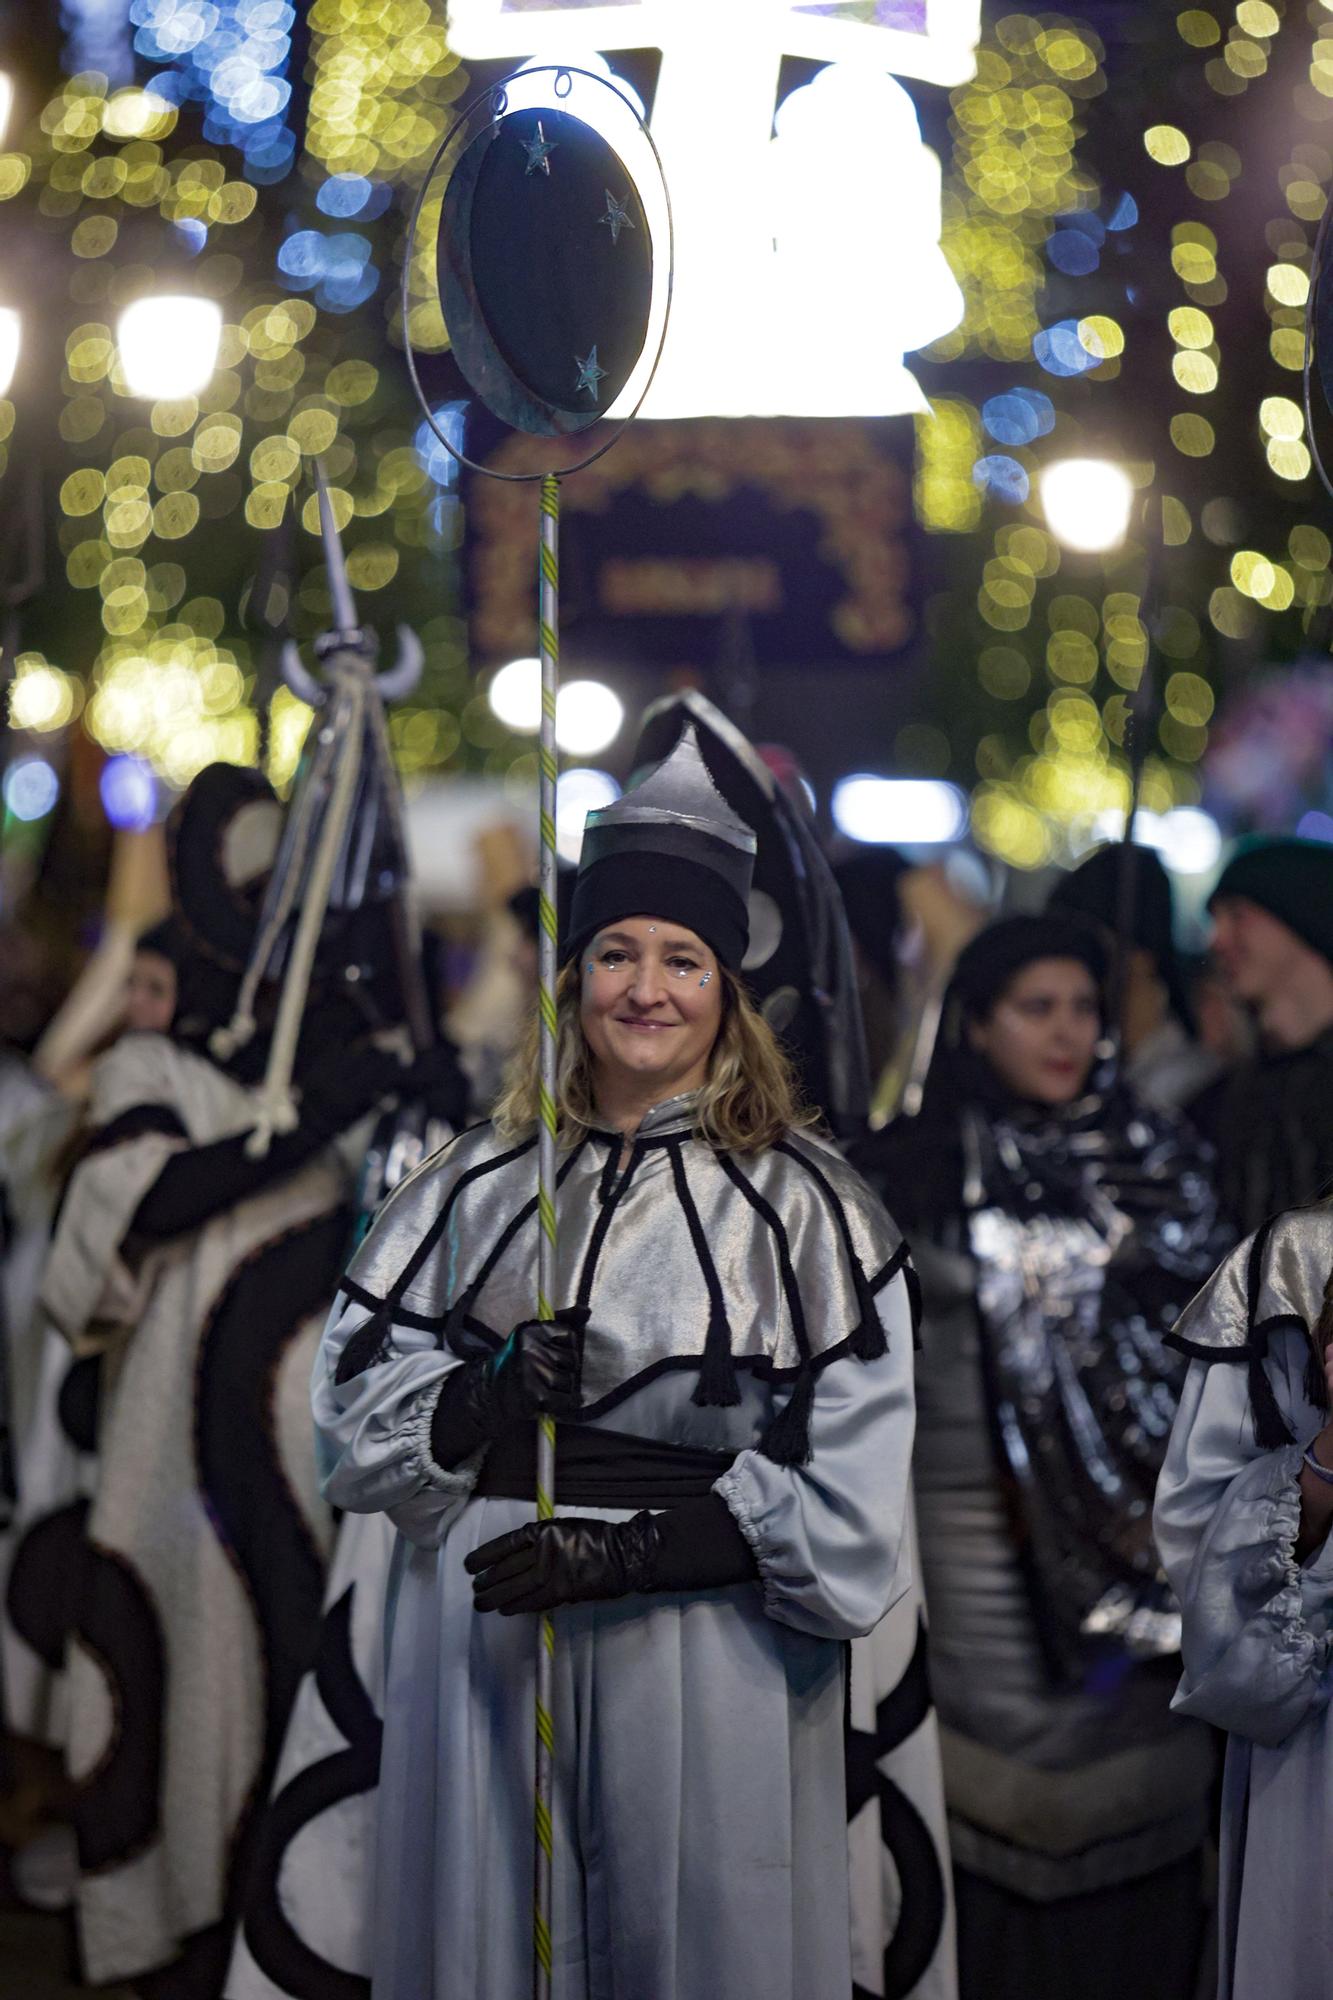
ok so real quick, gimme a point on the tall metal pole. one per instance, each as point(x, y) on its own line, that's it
point(546, 1239)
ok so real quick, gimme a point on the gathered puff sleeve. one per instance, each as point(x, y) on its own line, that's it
point(1255, 1623)
point(381, 1365)
point(827, 1528)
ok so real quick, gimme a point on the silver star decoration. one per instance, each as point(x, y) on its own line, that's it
point(616, 217)
point(589, 373)
point(538, 148)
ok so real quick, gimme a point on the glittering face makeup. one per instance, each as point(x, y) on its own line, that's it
point(651, 1003)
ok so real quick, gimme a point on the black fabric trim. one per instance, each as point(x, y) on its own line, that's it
point(791, 1290)
point(370, 1343)
point(250, 1505)
point(717, 1386)
point(115, 1808)
point(359, 1296)
point(281, 1954)
point(902, 1830)
point(460, 1318)
point(612, 1192)
point(44, 1589)
point(868, 1335)
point(1271, 1429)
point(133, 1124)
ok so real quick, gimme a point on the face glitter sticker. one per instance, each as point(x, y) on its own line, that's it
point(704, 981)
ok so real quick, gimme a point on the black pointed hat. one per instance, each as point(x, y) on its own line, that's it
point(671, 848)
point(798, 962)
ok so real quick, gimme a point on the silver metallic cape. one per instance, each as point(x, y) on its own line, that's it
point(771, 1225)
point(1258, 1625)
point(701, 1807)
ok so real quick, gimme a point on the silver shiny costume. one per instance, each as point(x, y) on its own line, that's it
point(1258, 1625)
point(701, 1843)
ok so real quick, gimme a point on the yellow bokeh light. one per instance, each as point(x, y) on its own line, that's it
point(312, 431)
point(1102, 336)
point(1167, 145)
point(1193, 435)
point(1190, 326)
point(1195, 263)
point(1258, 18)
point(1190, 699)
point(1286, 344)
point(1194, 371)
point(340, 504)
point(1197, 28)
point(1280, 417)
point(83, 491)
point(1310, 547)
point(1289, 458)
point(1252, 573)
point(1288, 284)
point(41, 697)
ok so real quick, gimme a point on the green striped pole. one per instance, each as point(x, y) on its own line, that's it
point(546, 1270)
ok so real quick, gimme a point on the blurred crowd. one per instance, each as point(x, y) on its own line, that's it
point(1071, 1120)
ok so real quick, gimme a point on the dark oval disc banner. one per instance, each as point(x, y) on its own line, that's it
point(545, 266)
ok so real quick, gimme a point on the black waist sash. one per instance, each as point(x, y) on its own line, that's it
point(598, 1468)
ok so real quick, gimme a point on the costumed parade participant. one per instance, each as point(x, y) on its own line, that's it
point(1244, 1508)
point(733, 1371)
point(1269, 1118)
point(309, 1918)
point(1164, 1063)
point(1057, 1225)
point(196, 1250)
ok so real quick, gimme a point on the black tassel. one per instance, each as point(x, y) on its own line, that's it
point(1316, 1382)
point(367, 1346)
point(1270, 1429)
point(787, 1439)
point(717, 1387)
point(866, 1340)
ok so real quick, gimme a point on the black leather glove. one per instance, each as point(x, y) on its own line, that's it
point(536, 1372)
point(696, 1546)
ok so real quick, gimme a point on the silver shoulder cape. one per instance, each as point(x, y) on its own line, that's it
point(685, 1257)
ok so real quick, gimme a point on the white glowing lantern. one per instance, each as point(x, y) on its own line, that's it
point(169, 345)
point(10, 334)
point(6, 103)
point(515, 696)
point(1087, 502)
point(588, 715)
point(806, 264)
point(909, 812)
point(579, 792)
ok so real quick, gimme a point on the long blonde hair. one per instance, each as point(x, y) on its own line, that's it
point(748, 1100)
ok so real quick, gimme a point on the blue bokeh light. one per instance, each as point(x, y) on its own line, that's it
point(1003, 477)
point(1125, 213)
point(435, 460)
point(231, 57)
point(129, 793)
point(1018, 416)
point(1073, 252)
point(31, 788)
point(352, 194)
point(337, 267)
point(1060, 351)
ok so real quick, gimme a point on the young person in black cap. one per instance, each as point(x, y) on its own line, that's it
point(1271, 1119)
point(1058, 1227)
point(732, 1368)
point(1163, 1062)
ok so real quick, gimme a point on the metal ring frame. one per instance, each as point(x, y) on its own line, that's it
point(497, 98)
point(1318, 279)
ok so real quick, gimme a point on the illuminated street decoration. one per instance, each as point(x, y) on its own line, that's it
point(819, 238)
point(231, 56)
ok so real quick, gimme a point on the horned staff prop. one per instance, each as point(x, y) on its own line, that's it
point(342, 836)
point(556, 303)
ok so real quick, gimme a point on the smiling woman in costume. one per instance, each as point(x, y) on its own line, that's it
point(1058, 1226)
point(733, 1374)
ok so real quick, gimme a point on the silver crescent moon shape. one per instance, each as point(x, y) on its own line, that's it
point(400, 679)
point(299, 679)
